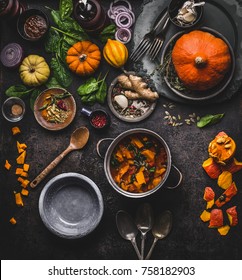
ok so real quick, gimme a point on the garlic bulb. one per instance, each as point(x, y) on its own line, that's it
point(122, 101)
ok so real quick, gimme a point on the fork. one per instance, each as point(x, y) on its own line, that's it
point(146, 42)
point(157, 43)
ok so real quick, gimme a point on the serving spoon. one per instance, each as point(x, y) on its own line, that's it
point(127, 229)
point(161, 229)
point(144, 221)
point(78, 140)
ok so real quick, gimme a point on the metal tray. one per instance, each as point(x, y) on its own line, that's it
point(222, 15)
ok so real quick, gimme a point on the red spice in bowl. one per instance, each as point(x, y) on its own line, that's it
point(99, 119)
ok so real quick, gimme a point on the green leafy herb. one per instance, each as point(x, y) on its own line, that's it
point(60, 71)
point(20, 91)
point(107, 33)
point(66, 8)
point(34, 94)
point(209, 120)
point(52, 41)
point(52, 82)
point(93, 90)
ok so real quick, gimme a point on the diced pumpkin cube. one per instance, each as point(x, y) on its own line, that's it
point(18, 199)
point(156, 181)
point(25, 183)
point(208, 194)
point(205, 216)
point(210, 204)
point(216, 218)
point(135, 141)
point(21, 147)
point(26, 167)
point(150, 155)
point(24, 174)
point(20, 180)
point(16, 130)
point(212, 168)
point(13, 221)
point(140, 178)
point(224, 230)
point(232, 216)
point(19, 171)
point(227, 195)
point(21, 158)
point(7, 165)
point(24, 192)
point(225, 179)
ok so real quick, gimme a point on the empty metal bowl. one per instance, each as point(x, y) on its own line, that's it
point(71, 205)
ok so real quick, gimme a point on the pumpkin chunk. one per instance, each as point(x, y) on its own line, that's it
point(205, 216)
point(7, 165)
point(13, 221)
point(216, 218)
point(232, 216)
point(210, 204)
point(21, 158)
point(225, 180)
point(233, 166)
point(208, 194)
point(16, 130)
point(227, 195)
point(18, 199)
point(224, 230)
point(212, 168)
point(222, 148)
point(24, 192)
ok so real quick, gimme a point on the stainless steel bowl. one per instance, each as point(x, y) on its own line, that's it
point(116, 141)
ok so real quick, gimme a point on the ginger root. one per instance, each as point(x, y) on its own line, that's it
point(137, 88)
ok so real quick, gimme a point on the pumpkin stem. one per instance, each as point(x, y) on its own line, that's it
point(82, 57)
point(31, 70)
point(200, 62)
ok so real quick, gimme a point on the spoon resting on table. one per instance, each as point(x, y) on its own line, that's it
point(78, 140)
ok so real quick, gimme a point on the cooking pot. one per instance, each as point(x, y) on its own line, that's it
point(172, 172)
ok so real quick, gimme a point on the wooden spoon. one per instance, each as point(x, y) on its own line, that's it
point(78, 140)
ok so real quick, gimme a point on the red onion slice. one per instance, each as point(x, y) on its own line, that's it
point(12, 55)
point(123, 35)
point(124, 20)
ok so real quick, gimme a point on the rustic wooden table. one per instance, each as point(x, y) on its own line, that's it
point(190, 238)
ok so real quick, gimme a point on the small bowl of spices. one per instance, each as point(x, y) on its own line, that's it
point(33, 24)
point(98, 118)
point(13, 109)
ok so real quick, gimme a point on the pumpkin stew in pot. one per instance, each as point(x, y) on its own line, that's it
point(138, 163)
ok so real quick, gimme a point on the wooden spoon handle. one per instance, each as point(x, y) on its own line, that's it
point(49, 168)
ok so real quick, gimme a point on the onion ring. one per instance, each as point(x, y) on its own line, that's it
point(123, 35)
point(120, 22)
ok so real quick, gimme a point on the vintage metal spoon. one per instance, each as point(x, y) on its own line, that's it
point(78, 140)
point(127, 229)
point(161, 229)
point(144, 221)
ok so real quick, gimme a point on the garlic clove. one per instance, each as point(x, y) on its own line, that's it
point(189, 17)
point(122, 101)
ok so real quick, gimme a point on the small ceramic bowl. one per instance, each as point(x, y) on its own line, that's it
point(71, 205)
point(98, 118)
point(33, 25)
point(13, 109)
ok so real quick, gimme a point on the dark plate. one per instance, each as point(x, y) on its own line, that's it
point(123, 117)
point(221, 15)
point(200, 95)
point(70, 103)
point(71, 205)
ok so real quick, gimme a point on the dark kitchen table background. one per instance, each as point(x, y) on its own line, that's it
point(190, 238)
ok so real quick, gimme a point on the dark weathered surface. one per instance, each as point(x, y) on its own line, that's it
point(189, 239)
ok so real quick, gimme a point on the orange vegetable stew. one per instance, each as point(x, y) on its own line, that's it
point(138, 163)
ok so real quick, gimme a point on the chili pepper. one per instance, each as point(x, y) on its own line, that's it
point(62, 105)
point(99, 120)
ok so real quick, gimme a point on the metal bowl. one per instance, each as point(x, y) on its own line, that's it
point(7, 109)
point(71, 205)
point(200, 95)
point(170, 168)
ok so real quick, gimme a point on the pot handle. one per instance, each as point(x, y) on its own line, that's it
point(174, 179)
point(99, 144)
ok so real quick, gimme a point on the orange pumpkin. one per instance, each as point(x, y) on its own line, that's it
point(83, 58)
point(201, 60)
point(222, 148)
